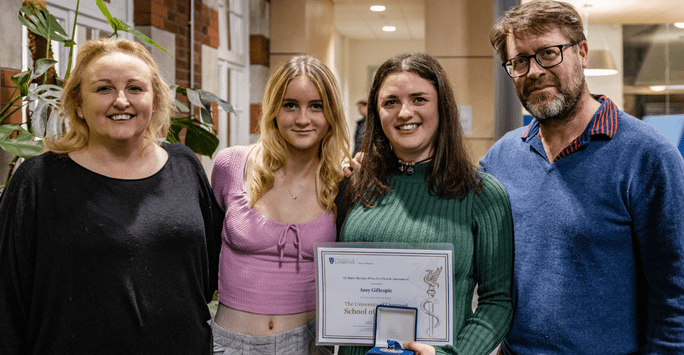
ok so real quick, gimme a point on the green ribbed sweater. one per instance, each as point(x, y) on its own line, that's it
point(481, 231)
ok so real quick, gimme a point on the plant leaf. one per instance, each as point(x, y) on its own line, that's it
point(42, 23)
point(143, 38)
point(46, 92)
point(177, 105)
point(105, 11)
point(174, 133)
point(227, 107)
point(21, 81)
point(118, 25)
point(32, 22)
point(197, 138)
point(22, 145)
point(180, 107)
point(178, 89)
point(206, 114)
point(54, 124)
point(39, 118)
point(194, 97)
point(46, 96)
point(201, 141)
point(41, 66)
point(201, 99)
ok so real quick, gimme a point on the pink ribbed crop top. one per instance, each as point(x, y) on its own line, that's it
point(265, 267)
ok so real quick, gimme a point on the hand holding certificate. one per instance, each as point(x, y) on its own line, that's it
point(351, 282)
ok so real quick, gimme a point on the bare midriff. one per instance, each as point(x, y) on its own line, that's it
point(259, 325)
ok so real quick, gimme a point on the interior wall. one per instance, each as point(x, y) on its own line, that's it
point(341, 69)
point(362, 55)
point(457, 33)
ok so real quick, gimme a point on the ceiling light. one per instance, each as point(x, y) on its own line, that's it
point(389, 28)
point(599, 72)
point(660, 88)
point(600, 63)
point(679, 24)
point(377, 8)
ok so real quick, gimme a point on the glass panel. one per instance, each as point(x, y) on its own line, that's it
point(236, 34)
point(227, 97)
point(653, 69)
point(228, 93)
point(228, 31)
point(236, 6)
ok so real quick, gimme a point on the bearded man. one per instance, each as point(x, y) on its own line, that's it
point(597, 199)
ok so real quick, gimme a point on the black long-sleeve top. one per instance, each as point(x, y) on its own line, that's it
point(95, 265)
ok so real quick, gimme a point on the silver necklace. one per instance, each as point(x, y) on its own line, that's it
point(293, 196)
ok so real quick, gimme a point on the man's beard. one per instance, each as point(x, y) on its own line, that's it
point(545, 107)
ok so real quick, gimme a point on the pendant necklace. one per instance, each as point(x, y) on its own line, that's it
point(408, 166)
point(292, 196)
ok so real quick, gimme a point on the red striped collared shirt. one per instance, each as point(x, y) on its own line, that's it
point(603, 123)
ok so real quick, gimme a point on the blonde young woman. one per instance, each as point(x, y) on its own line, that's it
point(279, 200)
point(109, 240)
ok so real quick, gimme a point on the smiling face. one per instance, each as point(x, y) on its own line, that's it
point(409, 115)
point(117, 99)
point(301, 120)
point(549, 93)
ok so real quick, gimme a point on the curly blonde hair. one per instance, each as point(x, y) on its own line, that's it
point(334, 146)
point(76, 137)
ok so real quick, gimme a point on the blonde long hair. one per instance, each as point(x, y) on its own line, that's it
point(334, 147)
point(77, 136)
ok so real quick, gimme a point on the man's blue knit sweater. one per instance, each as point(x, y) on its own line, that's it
point(599, 239)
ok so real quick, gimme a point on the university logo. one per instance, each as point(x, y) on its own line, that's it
point(332, 260)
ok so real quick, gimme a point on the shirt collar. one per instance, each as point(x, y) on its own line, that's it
point(604, 122)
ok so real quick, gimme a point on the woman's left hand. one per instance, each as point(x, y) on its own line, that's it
point(419, 348)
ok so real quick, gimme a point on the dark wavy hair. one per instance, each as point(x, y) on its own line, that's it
point(450, 174)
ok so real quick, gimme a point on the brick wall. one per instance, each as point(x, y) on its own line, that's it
point(173, 16)
point(258, 56)
point(7, 91)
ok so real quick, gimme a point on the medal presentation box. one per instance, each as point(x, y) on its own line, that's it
point(394, 326)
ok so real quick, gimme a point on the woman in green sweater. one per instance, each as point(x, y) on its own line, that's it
point(417, 185)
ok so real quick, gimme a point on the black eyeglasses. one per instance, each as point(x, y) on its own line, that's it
point(547, 57)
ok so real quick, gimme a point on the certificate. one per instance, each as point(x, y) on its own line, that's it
point(351, 281)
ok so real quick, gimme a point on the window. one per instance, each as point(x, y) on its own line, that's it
point(234, 71)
